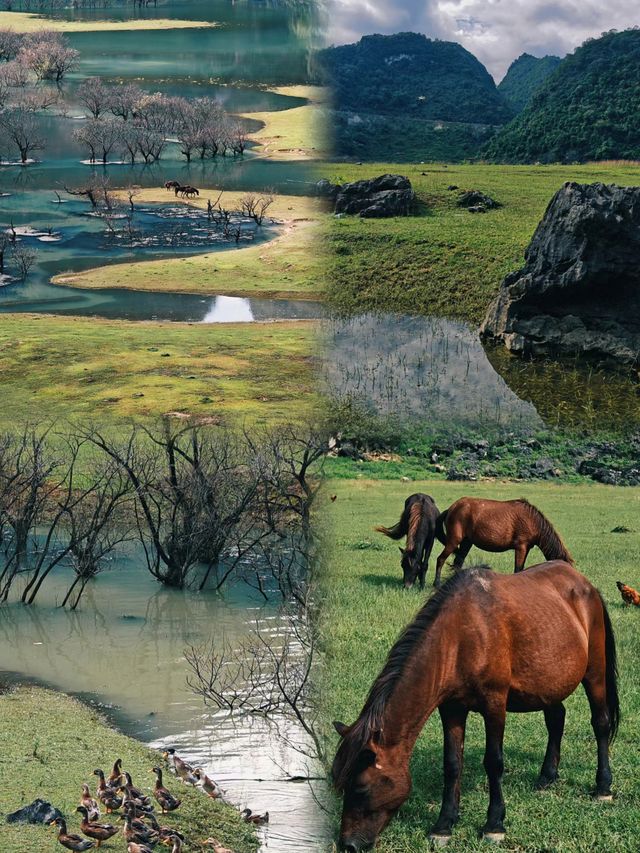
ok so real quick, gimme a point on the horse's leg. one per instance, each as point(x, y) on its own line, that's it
point(454, 719)
point(554, 718)
point(494, 721)
point(462, 553)
point(449, 548)
point(521, 553)
point(424, 566)
point(595, 689)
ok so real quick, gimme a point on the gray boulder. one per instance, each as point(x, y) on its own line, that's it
point(579, 290)
point(476, 202)
point(386, 196)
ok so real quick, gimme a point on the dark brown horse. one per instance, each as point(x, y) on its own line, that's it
point(496, 526)
point(418, 524)
point(488, 643)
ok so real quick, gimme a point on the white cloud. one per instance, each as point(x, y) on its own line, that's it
point(496, 31)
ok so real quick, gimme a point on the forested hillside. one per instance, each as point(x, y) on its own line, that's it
point(588, 109)
point(410, 96)
point(525, 76)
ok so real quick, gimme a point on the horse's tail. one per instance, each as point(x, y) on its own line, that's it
point(441, 533)
point(549, 540)
point(398, 530)
point(611, 674)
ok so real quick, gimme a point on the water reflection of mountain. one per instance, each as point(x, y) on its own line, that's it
point(421, 366)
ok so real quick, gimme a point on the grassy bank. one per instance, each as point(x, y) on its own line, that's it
point(51, 744)
point(364, 608)
point(29, 22)
point(445, 261)
point(285, 267)
point(107, 370)
point(295, 134)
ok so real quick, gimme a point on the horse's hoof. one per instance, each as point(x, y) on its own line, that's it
point(543, 782)
point(494, 837)
point(439, 840)
point(604, 798)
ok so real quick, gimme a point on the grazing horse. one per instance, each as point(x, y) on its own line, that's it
point(189, 192)
point(172, 185)
point(418, 524)
point(496, 526)
point(488, 643)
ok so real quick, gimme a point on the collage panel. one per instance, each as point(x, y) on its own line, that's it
point(320, 445)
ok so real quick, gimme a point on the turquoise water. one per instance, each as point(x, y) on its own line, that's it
point(256, 45)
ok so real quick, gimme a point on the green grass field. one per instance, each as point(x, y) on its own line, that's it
point(60, 368)
point(51, 744)
point(445, 261)
point(364, 609)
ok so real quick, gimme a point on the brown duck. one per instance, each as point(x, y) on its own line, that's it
point(166, 800)
point(109, 798)
point(89, 803)
point(137, 831)
point(115, 777)
point(259, 819)
point(71, 842)
point(97, 831)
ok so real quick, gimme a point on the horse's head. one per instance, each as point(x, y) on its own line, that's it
point(374, 783)
point(410, 567)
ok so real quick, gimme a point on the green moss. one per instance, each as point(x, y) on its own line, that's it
point(51, 744)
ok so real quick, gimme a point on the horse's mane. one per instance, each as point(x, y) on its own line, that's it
point(409, 522)
point(415, 517)
point(370, 720)
point(550, 542)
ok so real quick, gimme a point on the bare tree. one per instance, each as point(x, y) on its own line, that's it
point(23, 259)
point(193, 495)
point(133, 191)
point(97, 190)
point(14, 75)
point(94, 95)
point(22, 129)
point(96, 524)
point(150, 143)
point(10, 43)
point(124, 99)
point(48, 55)
point(29, 475)
point(5, 244)
point(255, 207)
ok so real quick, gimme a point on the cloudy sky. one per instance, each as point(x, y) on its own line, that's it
point(496, 31)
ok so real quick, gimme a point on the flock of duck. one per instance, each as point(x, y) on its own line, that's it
point(142, 830)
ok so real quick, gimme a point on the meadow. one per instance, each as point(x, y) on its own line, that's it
point(51, 745)
point(29, 22)
point(109, 371)
point(444, 261)
point(365, 608)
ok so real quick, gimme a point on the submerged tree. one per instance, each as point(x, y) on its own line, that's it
point(48, 55)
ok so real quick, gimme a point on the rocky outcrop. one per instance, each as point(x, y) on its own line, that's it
point(579, 290)
point(476, 202)
point(377, 198)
